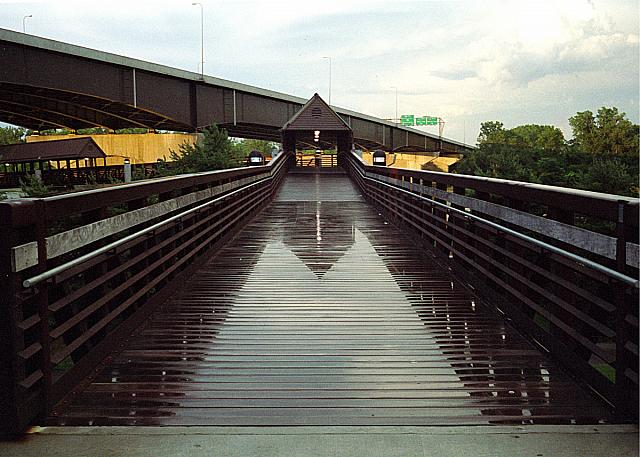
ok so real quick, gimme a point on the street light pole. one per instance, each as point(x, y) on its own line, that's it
point(396, 118)
point(329, 78)
point(24, 23)
point(201, 37)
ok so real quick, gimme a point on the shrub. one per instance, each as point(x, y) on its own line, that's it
point(33, 187)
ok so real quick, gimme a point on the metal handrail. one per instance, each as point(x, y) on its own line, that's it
point(529, 185)
point(546, 246)
point(30, 282)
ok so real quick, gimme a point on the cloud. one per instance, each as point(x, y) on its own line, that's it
point(454, 73)
point(519, 61)
point(546, 38)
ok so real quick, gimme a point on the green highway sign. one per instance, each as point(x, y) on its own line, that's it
point(411, 119)
point(407, 119)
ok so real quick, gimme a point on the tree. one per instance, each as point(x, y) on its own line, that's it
point(609, 175)
point(525, 153)
point(499, 161)
point(546, 137)
point(245, 146)
point(56, 132)
point(93, 131)
point(602, 157)
point(491, 132)
point(607, 133)
point(12, 135)
point(215, 152)
point(136, 130)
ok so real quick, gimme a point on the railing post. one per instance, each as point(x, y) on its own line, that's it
point(442, 222)
point(459, 222)
point(623, 402)
point(43, 303)
point(621, 238)
point(9, 414)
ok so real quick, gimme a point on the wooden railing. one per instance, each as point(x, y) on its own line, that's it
point(67, 177)
point(80, 271)
point(317, 160)
point(561, 263)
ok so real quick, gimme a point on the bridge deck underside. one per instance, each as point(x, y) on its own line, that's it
point(321, 313)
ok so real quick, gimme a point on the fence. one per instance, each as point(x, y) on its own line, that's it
point(68, 177)
point(561, 263)
point(80, 271)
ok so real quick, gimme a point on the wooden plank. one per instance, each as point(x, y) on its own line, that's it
point(320, 313)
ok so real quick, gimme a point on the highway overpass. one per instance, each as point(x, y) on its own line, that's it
point(47, 84)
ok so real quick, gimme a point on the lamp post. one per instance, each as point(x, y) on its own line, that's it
point(24, 23)
point(329, 58)
point(395, 119)
point(201, 37)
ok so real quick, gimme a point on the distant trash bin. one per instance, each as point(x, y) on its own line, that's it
point(379, 158)
point(256, 159)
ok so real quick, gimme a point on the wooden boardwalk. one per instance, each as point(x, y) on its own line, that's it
point(321, 313)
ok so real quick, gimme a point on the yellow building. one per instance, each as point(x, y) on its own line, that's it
point(416, 160)
point(138, 148)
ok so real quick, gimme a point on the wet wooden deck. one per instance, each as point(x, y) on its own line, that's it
point(321, 313)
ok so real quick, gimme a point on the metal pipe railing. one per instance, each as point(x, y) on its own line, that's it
point(546, 246)
point(32, 281)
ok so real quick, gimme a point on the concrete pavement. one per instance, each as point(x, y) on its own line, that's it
point(481, 441)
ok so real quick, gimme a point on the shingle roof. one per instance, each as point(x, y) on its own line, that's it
point(316, 114)
point(75, 148)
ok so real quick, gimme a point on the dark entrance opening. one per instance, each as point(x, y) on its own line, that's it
point(318, 131)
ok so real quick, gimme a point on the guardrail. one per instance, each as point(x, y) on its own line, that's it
point(80, 271)
point(573, 290)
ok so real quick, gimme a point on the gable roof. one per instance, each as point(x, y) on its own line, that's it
point(74, 148)
point(316, 114)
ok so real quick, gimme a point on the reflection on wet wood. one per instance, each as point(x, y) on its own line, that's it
point(321, 313)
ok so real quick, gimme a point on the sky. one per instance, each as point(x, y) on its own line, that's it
point(465, 61)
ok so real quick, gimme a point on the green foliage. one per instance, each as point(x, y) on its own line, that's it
point(607, 370)
point(117, 209)
point(491, 132)
point(609, 175)
point(12, 135)
point(215, 152)
point(33, 187)
point(93, 131)
point(607, 133)
point(92, 180)
point(139, 172)
point(113, 180)
point(602, 157)
point(500, 161)
point(56, 132)
point(544, 137)
point(3, 196)
point(131, 130)
point(245, 146)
